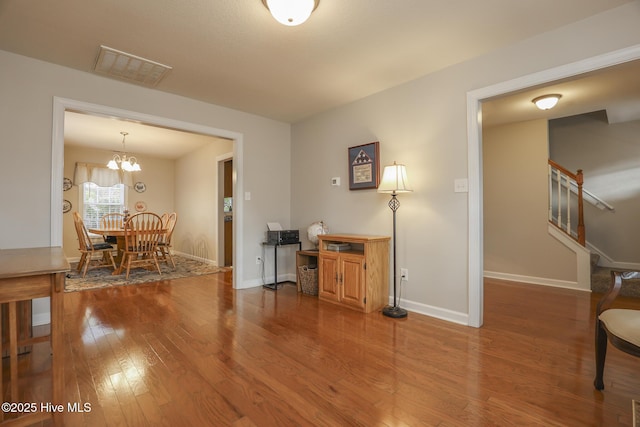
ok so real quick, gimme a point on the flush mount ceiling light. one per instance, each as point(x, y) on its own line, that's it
point(546, 102)
point(129, 164)
point(291, 12)
point(125, 66)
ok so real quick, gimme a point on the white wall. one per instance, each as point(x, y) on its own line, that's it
point(516, 199)
point(197, 201)
point(423, 124)
point(27, 90)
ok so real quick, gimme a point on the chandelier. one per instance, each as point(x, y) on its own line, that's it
point(121, 161)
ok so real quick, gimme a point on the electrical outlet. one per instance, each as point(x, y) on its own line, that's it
point(404, 274)
point(258, 260)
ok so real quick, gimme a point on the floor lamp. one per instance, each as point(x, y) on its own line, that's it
point(394, 181)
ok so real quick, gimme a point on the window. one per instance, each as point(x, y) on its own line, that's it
point(96, 201)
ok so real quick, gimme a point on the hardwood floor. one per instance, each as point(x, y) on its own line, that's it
point(194, 352)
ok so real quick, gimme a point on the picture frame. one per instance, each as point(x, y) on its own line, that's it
point(364, 166)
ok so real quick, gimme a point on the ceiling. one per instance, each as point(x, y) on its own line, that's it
point(234, 54)
point(103, 133)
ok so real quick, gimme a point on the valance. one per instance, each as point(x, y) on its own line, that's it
point(100, 175)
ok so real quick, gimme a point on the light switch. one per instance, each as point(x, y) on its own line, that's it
point(247, 195)
point(461, 185)
point(335, 181)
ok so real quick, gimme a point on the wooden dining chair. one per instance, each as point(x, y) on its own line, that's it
point(164, 217)
point(142, 232)
point(619, 326)
point(88, 249)
point(111, 220)
point(164, 246)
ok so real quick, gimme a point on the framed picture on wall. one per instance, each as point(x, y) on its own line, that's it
point(364, 166)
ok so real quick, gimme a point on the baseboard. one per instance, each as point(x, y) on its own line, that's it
point(195, 258)
point(42, 318)
point(608, 262)
point(566, 284)
point(432, 311)
point(254, 283)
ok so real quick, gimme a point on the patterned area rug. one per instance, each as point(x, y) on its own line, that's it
point(102, 277)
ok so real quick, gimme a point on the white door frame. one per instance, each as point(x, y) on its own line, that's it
point(474, 155)
point(60, 105)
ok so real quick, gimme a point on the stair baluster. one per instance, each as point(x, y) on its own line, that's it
point(561, 174)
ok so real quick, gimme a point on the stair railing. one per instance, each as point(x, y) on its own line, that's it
point(560, 200)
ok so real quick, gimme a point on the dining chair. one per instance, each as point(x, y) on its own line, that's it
point(142, 232)
point(619, 326)
point(164, 246)
point(88, 249)
point(164, 217)
point(112, 220)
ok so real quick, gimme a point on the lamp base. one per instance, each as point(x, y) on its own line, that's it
point(394, 311)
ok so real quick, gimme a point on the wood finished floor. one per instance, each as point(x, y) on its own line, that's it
point(194, 352)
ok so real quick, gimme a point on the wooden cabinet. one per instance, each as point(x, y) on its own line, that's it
point(357, 277)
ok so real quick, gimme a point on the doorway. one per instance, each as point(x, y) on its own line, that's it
point(474, 157)
point(60, 105)
point(227, 183)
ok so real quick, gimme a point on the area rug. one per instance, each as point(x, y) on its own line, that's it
point(102, 277)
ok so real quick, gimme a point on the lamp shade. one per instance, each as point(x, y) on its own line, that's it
point(291, 12)
point(394, 180)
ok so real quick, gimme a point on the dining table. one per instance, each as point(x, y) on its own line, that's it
point(119, 234)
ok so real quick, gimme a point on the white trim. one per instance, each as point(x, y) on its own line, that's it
point(39, 319)
point(284, 277)
point(60, 105)
point(583, 256)
point(607, 261)
point(432, 311)
point(538, 281)
point(474, 158)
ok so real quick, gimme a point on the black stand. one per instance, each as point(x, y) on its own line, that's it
point(274, 286)
point(394, 311)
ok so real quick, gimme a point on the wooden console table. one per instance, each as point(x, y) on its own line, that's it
point(357, 277)
point(26, 274)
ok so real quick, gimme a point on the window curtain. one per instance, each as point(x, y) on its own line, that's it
point(101, 175)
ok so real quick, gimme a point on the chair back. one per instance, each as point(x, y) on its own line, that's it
point(169, 226)
point(112, 220)
point(143, 231)
point(84, 240)
point(164, 218)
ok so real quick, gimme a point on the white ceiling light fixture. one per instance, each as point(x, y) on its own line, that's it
point(125, 66)
point(291, 12)
point(129, 164)
point(546, 102)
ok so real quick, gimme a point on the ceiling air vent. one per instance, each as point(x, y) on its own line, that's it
point(131, 68)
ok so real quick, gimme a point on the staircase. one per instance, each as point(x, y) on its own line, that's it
point(561, 201)
point(566, 196)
